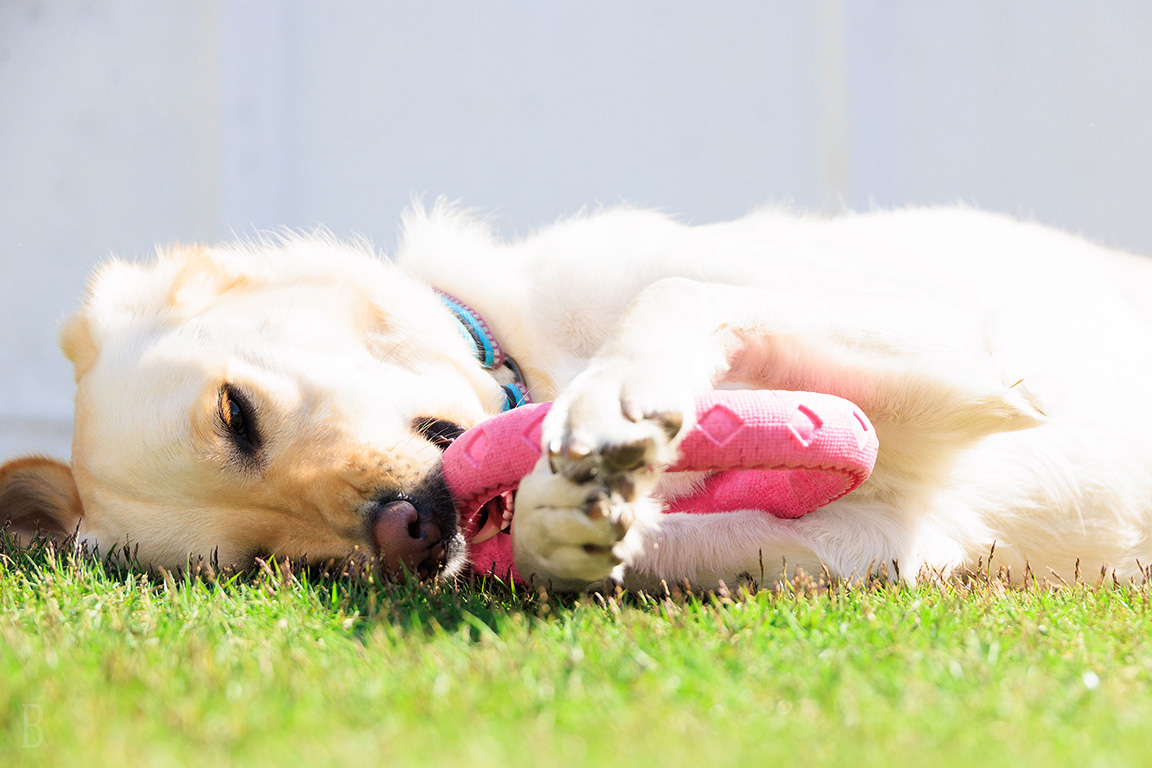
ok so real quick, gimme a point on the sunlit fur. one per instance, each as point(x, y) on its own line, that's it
point(1006, 367)
point(336, 351)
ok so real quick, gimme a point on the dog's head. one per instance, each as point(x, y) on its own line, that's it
point(288, 397)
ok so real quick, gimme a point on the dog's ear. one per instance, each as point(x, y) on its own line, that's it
point(200, 280)
point(38, 495)
point(121, 292)
point(117, 292)
point(78, 343)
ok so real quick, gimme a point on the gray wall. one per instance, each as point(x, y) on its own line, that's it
point(127, 124)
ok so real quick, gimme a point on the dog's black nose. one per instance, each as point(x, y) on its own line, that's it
point(407, 539)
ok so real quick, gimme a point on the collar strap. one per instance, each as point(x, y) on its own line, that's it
point(475, 330)
point(488, 353)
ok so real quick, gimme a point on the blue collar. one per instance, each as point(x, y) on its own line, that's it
point(488, 352)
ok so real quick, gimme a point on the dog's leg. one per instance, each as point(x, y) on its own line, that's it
point(583, 512)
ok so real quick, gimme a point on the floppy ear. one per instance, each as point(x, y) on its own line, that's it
point(117, 292)
point(38, 495)
point(78, 343)
point(121, 292)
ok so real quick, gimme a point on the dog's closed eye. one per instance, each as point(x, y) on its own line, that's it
point(238, 419)
point(440, 432)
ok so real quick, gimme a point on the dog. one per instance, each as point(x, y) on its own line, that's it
point(292, 395)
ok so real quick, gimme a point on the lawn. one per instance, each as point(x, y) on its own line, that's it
point(101, 666)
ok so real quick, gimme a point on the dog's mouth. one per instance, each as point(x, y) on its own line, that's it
point(494, 517)
point(417, 532)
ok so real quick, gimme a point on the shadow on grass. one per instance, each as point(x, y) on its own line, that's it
point(352, 587)
point(483, 604)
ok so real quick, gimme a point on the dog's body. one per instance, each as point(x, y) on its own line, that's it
point(277, 397)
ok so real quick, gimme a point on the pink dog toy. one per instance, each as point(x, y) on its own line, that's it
point(786, 453)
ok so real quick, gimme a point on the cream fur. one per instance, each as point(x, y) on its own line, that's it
point(1006, 367)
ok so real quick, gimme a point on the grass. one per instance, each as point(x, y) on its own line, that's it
point(101, 666)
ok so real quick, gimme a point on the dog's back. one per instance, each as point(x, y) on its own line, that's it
point(1063, 324)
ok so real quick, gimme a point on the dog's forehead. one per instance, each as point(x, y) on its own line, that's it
point(154, 394)
point(270, 312)
point(329, 360)
point(134, 408)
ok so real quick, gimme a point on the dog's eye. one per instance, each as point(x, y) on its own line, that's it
point(236, 415)
point(440, 432)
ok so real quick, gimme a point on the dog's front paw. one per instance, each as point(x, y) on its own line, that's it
point(566, 537)
point(613, 434)
point(582, 514)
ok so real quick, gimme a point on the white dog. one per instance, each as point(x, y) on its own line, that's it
point(292, 396)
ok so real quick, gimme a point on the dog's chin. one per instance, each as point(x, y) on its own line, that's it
point(446, 559)
point(455, 557)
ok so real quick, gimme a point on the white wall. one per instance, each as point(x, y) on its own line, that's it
point(126, 124)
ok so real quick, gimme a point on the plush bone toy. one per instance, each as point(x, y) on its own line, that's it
point(786, 453)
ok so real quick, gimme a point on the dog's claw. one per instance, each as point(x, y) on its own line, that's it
point(554, 455)
point(569, 449)
point(577, 449)
point(597, 508)
point(670, 421)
